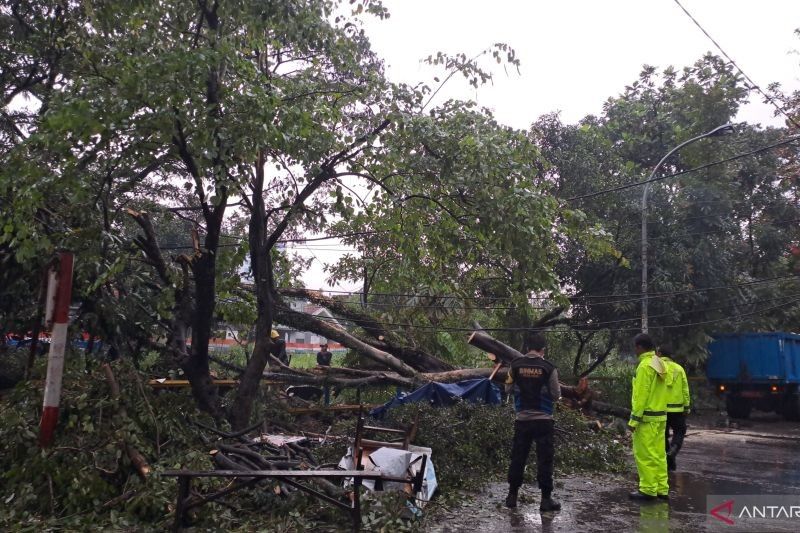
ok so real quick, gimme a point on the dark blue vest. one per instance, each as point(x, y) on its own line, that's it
point(531, 377)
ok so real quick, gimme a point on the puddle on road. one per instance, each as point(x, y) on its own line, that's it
point(710, 463)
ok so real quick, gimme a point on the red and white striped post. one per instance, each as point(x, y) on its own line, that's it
point(59, 296)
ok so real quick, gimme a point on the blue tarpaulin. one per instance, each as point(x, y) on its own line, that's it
point(471, 390)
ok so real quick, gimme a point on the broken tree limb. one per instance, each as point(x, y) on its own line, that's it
point(137, 459)
point(382, 338)
point(578, 397)
point(608, 409)
point(378, 378)
point(506, 354)
point(306, 322)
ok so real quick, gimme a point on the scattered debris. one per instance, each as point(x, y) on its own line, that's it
point(397, 463)
point(288, 460)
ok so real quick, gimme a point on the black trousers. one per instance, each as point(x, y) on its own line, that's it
point(676, 422)
point(525, 433)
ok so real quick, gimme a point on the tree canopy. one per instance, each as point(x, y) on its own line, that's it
point(174, 146)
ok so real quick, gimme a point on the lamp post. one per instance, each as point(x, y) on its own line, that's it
point(725, 129)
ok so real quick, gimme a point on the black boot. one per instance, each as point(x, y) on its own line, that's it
point(511, 499)
point(549, 504)
point(641, 496)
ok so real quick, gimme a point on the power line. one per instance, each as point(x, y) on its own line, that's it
point(731, 302)
point(712, 232)
point(728, 303)
point(687, 171)
point(729, 58)
point(625, 297)
point(578, 327)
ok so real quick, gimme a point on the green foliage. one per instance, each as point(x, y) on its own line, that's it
point(74, 483)
point(721, 226)
point(85, 481)
point(472, 443)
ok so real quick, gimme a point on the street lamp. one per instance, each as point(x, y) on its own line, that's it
point(725, 129)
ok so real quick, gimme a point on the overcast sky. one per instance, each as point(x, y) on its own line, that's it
point(577, 53)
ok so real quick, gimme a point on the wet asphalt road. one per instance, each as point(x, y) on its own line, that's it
point(761, 456)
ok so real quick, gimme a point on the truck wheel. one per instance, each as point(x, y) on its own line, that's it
point(738, 407)
point(791, 407)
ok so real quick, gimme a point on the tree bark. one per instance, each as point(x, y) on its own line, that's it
point(505, 353)
point(196, 367)
point(198, 311)
point(608, 409)
point(261, 264)
point(306, 322)
point(261, 246)
point(377, 378)
point(382, 339)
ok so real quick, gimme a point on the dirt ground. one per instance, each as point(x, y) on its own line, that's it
point(758, 456)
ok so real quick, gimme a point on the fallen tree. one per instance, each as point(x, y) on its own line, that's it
point(579, 396)
point(381, 338)
point(340, 377)
point(306, 322)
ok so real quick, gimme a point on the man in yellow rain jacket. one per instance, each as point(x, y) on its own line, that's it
point(648, 421)
point(678, 402)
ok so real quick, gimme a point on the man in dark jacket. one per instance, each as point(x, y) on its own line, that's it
point(534, 382)
point(324, 356)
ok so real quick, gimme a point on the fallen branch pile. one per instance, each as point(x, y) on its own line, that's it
point(237, 451)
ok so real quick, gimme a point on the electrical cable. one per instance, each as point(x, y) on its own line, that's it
point(687, 171)
point(650, 295)
point(578, 327)
point(394, 305)
point(729, 58)
point(724, 230)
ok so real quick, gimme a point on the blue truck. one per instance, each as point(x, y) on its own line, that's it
point(756, 371)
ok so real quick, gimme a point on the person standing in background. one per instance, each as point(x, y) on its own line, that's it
point(678, 403)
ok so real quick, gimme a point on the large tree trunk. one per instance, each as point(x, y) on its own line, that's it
point(261, 264)
point(350, 378)
point(505, 353)
point(383, 339)
point(261, 246)
point(306, 322)
point(609, 409)
point(204, 268)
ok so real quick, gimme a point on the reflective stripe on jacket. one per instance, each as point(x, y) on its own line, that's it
point(678, 398)
point(649, 396)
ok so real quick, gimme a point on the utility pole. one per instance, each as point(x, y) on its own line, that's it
point(725, 129)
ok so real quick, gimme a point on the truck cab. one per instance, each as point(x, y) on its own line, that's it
point(756, 371)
